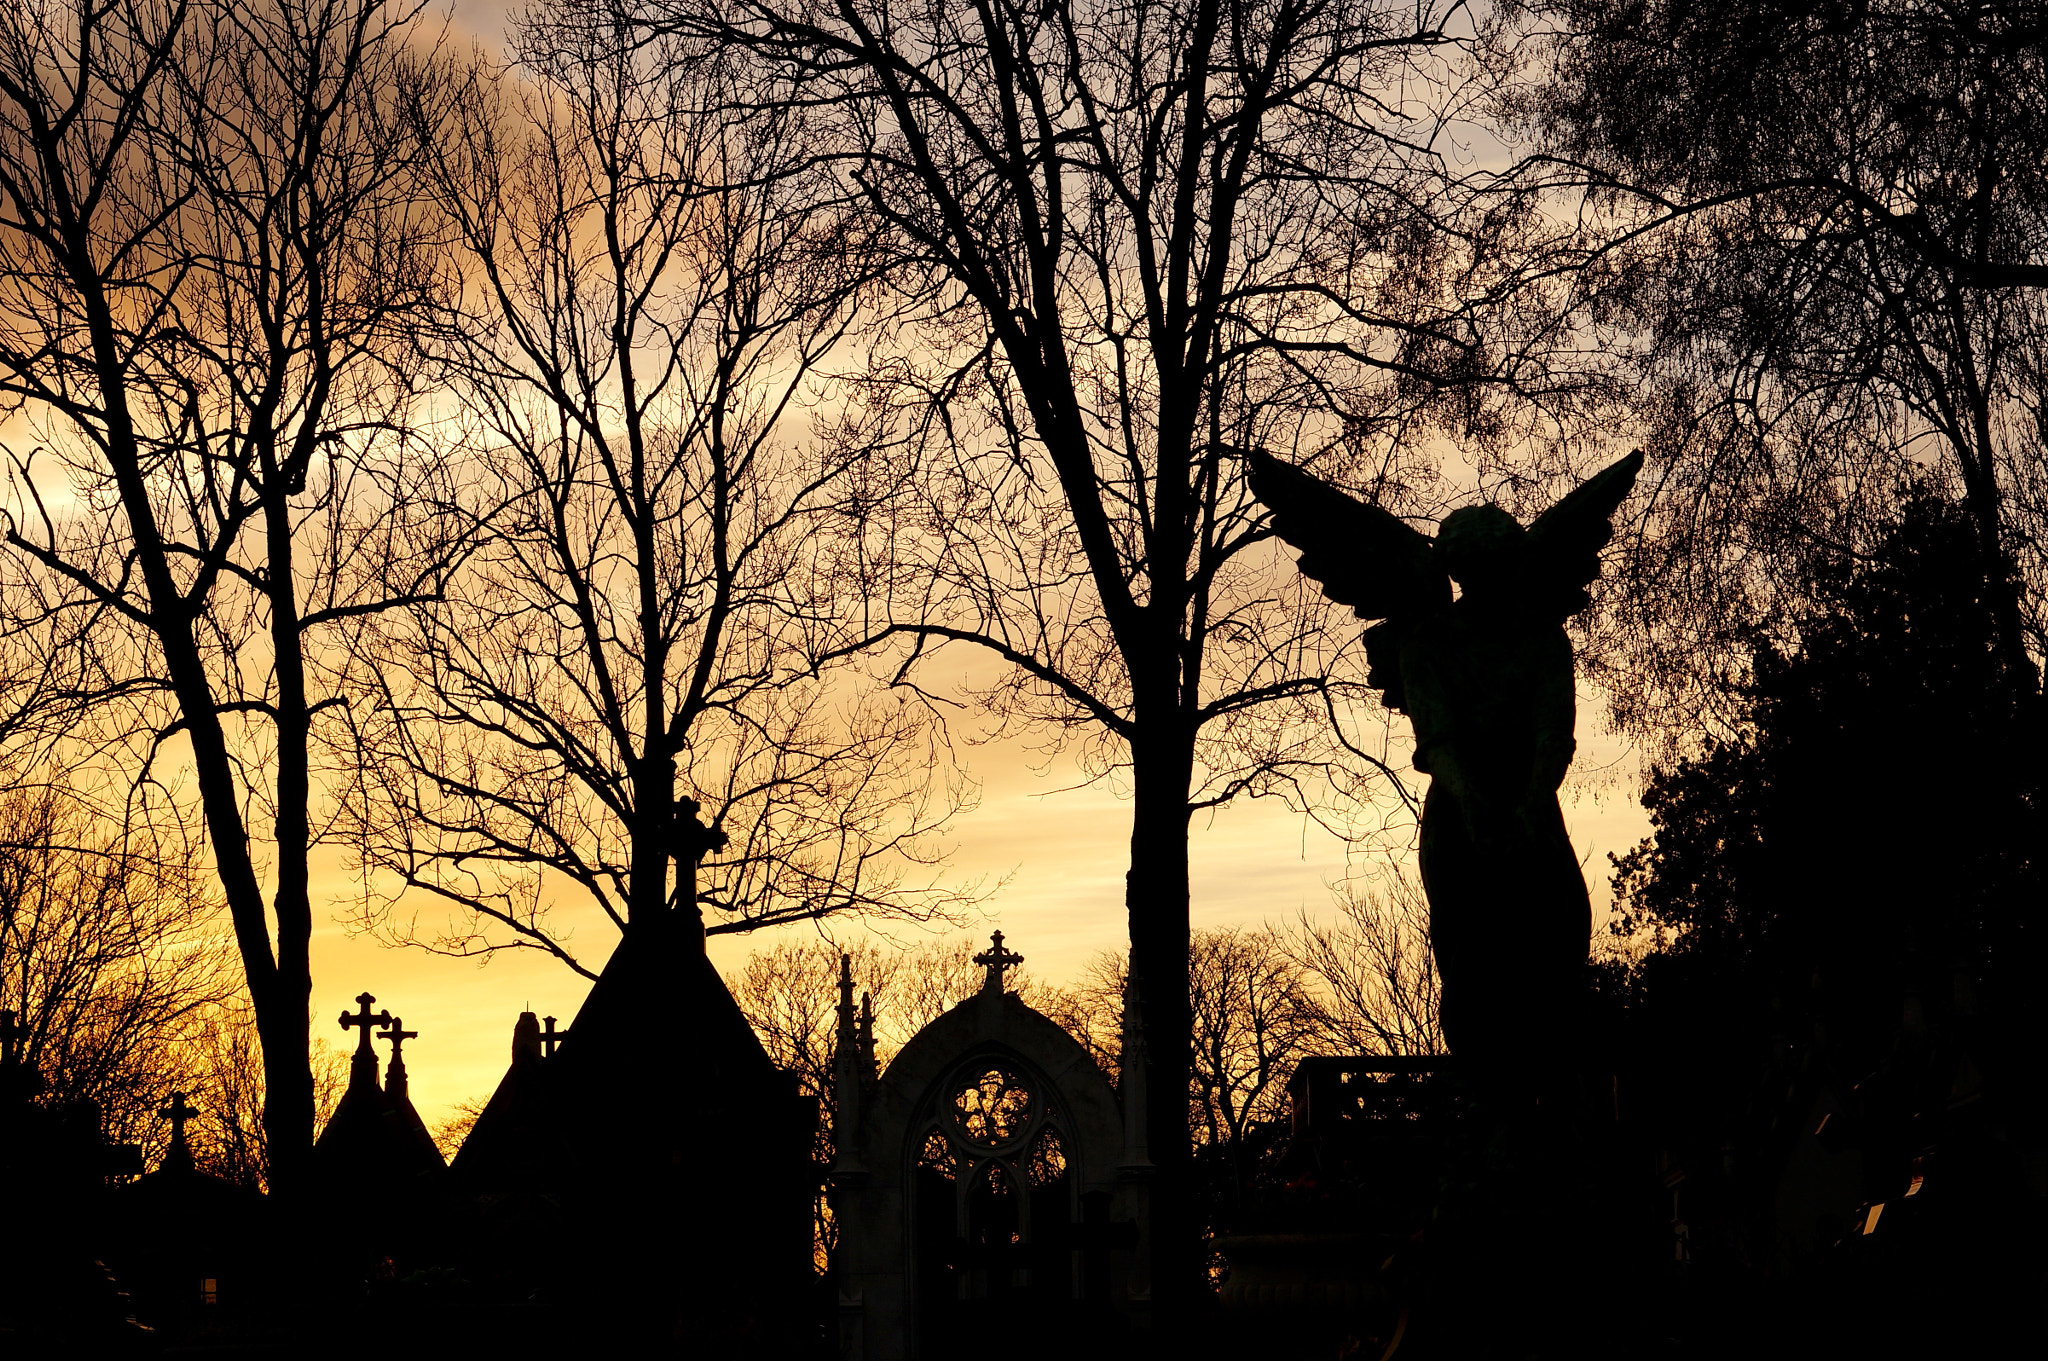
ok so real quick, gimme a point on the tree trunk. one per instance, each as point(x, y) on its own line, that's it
point(278, 995)
point(657, 835)
point(286, 1029)
point(1156, 896)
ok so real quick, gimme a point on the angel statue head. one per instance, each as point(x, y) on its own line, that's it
point(1477, 546)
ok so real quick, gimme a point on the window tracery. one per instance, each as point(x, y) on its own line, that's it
point(936, 1155)
point(997, 1140)
point(1047, 1162)
point(993, 1107)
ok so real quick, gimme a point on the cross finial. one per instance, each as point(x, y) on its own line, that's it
point(550, 1038)
point(367, 1021)
point(395, 1031)
point(996, 959)
point(179, 1158)
point(394, 1075)
point(178, 1112)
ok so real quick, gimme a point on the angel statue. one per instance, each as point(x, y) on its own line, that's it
point(1486, 679)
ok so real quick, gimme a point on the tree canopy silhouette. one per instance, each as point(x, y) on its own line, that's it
point(1817, 233)
point(1875, 830)
point(1843, 901)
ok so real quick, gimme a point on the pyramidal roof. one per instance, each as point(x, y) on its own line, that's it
point(375, 1135)
point(657, 1040)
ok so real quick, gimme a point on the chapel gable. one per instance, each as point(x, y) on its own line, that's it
point(990, 1183)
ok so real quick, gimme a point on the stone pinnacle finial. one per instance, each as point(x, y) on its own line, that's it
point(996, 959)
point(869, 1068)
point(179, 1158)
point(12, 1033)
point(362, 1069)
point(526, 1038)
point(367, 1021)
point(394, 1075)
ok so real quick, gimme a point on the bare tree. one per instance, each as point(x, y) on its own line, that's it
point(212, 255)
point(626, 670)
point(1254, 1018)
point(450, 1133)
point(1140, 235)
point(1371, 973)
point(223, 1075)
point(110, 963)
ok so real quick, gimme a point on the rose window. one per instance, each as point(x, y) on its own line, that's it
point(993, 1107)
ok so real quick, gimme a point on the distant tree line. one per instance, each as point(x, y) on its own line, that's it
point(1263, 998)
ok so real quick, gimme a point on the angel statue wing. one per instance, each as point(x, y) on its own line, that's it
point(1563, 544)
point(1361, 555)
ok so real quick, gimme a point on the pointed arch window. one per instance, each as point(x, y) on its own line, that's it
point(936, 1155)
point(1047, 1162)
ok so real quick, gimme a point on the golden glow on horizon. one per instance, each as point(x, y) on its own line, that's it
point(1066, 850)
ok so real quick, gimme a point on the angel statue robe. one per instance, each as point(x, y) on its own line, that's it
point(1486, 680)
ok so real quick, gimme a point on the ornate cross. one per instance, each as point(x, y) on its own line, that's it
point(551, 1038)
point(366, 1020)
point(178, 1157)
point(996, 959)
point(178, 1113)
point(394, 1075)
point(395, 1032)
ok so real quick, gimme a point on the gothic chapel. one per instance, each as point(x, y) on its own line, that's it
point(989, 1185)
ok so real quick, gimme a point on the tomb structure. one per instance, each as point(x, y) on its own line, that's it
point(991, 1184)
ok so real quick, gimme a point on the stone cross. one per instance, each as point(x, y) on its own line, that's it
point(367, 1021)
point(178, 1158)
point(395, 1032)
point(178, 1113)
point(394, 1076)
point(551, 1038)
point(996, 959)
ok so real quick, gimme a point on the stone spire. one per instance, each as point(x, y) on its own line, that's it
point(375, 1139)
point(869, 1068)
point(847, 1037)
point(852, 1071)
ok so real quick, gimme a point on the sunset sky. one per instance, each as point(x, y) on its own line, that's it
point(639, 514)
point(1064, 849)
